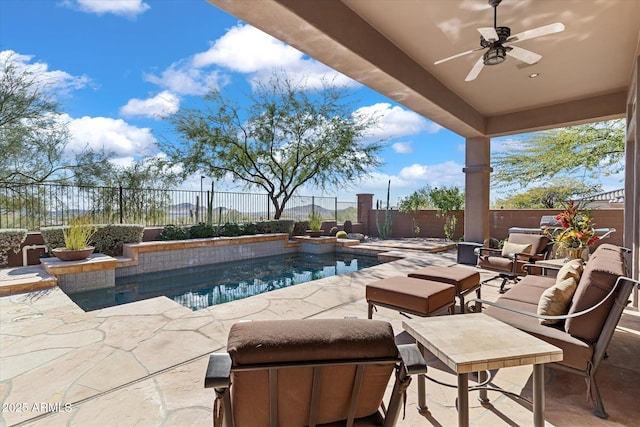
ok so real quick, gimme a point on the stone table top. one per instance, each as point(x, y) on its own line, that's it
point(477, 342)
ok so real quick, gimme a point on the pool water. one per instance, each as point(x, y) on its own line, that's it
point(204, 286)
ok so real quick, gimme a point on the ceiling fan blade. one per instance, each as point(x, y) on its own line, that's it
point(489, 33)
point(475, 70)
point(458, 55)
point(524, 55)
point(537, 32)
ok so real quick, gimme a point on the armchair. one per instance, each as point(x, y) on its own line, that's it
point(518, 250)
point(310, 372)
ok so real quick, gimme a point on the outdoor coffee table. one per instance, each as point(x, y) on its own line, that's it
point(476, 343)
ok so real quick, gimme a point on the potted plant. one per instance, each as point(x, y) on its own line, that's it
point(76, 240)
point(315, 222)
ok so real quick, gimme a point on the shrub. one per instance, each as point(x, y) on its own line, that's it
point(275, 226)
point(341, 234)
point(201, 231)
point(300, 227)
point(249, 228)
point(53, 236)
point(109, 238)
point(173, 232)
point(10, 239)
point(231, 230)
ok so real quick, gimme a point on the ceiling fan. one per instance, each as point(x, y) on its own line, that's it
point(495, 39)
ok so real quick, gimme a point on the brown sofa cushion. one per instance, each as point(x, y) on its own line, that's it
point(598, 278)
point(292, 341)
point(576, 353)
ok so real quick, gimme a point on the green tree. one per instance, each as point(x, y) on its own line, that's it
point(580, 152)
point(413, 203)
point(548, 197)
point(286, 137)
point(32, 138)
point(448, 201)
point(145, 186)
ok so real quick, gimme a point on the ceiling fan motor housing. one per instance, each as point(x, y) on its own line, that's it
point(496, 53)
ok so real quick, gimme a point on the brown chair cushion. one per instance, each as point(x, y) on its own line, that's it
point(598, 278)
point(270, 341)
point(290, 341)
point(462, 278)
point(420, 296)
point(538, 242)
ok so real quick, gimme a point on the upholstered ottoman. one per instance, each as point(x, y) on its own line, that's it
point(465, 280)
point(410, 295)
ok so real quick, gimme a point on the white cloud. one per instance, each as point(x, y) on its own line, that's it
point(182, 79)
point(127, 8)
point(444, 174)
point(402, 148)
point(246, 49)
point(161, 105)
point(53, 82)
point(396, 122)
point(115, 135)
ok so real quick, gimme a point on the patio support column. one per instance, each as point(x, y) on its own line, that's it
point(365, 205)
point(632, 179)
point(476, 189)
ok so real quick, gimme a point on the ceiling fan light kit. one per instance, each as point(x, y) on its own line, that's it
point(494, 39)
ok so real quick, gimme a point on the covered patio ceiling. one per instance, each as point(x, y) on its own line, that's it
point(391, 46)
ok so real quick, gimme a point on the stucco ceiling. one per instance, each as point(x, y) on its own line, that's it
point(391, 46)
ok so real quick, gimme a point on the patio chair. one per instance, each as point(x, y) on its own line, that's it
point(310, 372)
point(518, 250)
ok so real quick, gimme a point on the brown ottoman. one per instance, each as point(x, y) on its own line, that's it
point(465, 280)
point(415, 296)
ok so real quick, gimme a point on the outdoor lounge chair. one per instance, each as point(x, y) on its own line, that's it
point(310, 372)
point(518, 250)
point(585, 329)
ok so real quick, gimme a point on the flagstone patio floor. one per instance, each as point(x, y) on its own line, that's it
point(143, 363)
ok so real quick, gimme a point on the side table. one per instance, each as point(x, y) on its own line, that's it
point(477, 342)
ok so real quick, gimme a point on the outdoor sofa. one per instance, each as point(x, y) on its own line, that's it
point(583, 331)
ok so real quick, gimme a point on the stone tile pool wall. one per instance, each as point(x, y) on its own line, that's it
point(148, 257)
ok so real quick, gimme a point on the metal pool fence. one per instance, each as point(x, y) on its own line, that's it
point(32, 206)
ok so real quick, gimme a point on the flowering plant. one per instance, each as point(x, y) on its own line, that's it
point(577, 228)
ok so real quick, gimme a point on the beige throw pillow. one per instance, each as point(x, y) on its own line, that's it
point(515, 248)
point(556, 300)
point(572, 268)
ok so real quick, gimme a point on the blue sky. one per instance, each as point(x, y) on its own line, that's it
point(119, 66)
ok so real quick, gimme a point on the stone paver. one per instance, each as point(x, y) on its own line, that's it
point(143, 363)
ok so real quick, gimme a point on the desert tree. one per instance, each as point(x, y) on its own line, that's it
point(287, 135)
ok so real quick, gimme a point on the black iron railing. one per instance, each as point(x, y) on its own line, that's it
point(32, 206)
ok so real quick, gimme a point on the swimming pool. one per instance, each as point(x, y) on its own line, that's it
point(204, 286)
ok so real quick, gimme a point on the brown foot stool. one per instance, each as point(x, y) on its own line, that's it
point(415, 296)
point(464, 279)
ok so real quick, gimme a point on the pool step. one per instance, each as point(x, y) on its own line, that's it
point(18, 280)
